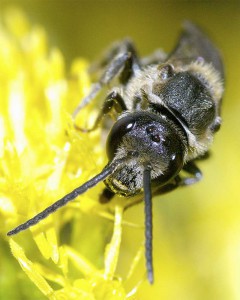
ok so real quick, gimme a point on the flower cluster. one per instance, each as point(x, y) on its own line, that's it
point(42, 159)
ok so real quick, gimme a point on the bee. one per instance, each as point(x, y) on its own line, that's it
point(168, 110)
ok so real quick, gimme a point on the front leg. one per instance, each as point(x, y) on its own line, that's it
point(178, 181)
point(193, 170)
point(125, 63)
point(113, 101)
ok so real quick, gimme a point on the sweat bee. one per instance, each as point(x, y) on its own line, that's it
point(168, 109)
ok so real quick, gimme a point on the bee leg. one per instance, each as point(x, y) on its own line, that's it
point(106, 196)
point(125, 61)
point(178, 181)
point(216, 125)
point(157, 57)
point(169, 187)
point(113, 101)
point(205, 156)
point(125, 64)
point(125, 45)
point(192, 169)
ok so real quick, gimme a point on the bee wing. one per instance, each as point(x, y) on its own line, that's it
point(194, 44)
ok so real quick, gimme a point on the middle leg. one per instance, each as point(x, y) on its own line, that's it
point(125, 63)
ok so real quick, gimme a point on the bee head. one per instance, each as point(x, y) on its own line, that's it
point(152, 140)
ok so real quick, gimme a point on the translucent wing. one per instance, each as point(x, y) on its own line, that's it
point(194, 44)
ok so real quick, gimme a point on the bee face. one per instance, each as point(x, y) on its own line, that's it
point(152, 140)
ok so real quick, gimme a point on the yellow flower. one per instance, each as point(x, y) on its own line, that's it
point(42, 159)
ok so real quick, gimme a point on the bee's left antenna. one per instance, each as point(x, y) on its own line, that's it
point(69, 197)
point(148, 221)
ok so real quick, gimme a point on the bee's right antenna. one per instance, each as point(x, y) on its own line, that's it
point(148, 221)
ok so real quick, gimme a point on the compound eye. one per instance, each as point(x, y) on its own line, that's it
point(123, 126)
point(119, 129)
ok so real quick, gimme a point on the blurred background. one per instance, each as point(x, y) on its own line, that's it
point(196, 229)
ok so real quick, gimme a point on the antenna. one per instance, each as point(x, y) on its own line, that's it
point(148, 221)
point(69, 197)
